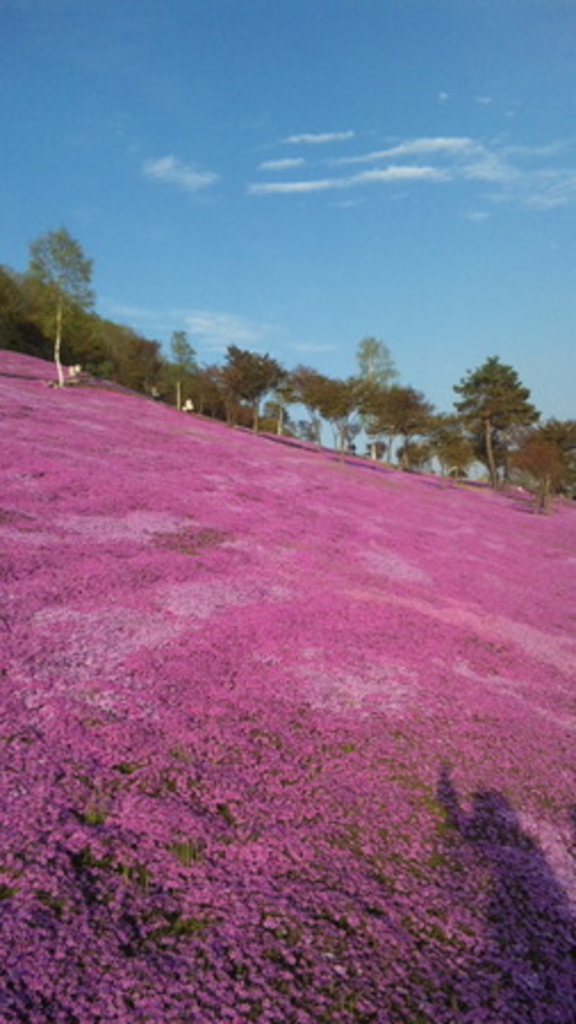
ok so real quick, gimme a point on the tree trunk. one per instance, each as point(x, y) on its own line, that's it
point(544, 495)
point(490, 453)
point(231, 412)
point(404, 455)
point(58, 343)
point(280, 421)
point(178, 395)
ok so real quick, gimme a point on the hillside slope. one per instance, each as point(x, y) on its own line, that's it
point(283, 737)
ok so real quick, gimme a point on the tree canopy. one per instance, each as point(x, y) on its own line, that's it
point(451, 446)
point(249, 376)
point(58, 265)
point(396, 411)
point(375, 362)
point(545, 461)
point(493, 400)
point(184, 364)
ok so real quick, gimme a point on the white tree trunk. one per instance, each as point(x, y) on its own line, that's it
point(58, 344)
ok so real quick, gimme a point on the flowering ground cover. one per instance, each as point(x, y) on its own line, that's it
point(283, 737)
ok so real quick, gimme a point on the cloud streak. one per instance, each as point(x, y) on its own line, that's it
point(320, 139)
point(282, 165)
point(526, 175)
point(172, 171)
point(455, 146)
point(548, 190)
point(285, 188)
point(388, 175)
point(215, 330)
point(209, 329)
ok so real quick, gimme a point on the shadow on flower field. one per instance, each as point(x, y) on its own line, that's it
point(530, 928)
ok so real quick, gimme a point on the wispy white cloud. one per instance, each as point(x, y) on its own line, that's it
point(547, 190)
point(551, 149)
point(138, 318)
point(451, 146)
point(282, 165)
point(483, 101)
point(209, 330)
point(311, 348)
point(527, 175)
point(268, 188)
point(397, 173)
point(215, 330)
point(311, 139)
point(387, 175)
point(173, 171)
point(490, 167)
point(478, 216)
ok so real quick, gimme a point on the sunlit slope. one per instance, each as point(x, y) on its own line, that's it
point(283, 733)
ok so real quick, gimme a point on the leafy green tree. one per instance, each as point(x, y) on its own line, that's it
point(309, 391)
point(492, 401)
point(375, 362)
point(398, 411)
point(131, 360)
point(372, 407)
point(416, 456)
point(276, 419)
point(336, 401)
point(182, 352)
point(376, 374)
point(561, 433)
point(451, 446)
point(545, 461)
point(59, 266)
point(18, 330)
point(248, 377)
point(284, 396)
point(540, 463)
point(409, 417)
point(208, 393)
point(183, 361)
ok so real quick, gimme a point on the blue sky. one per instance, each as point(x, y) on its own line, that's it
point(293, 175)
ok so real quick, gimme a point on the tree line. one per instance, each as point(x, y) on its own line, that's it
point(48, 311)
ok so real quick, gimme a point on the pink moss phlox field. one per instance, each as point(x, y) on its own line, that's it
point(283, 737)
